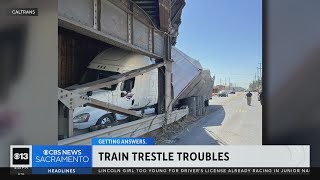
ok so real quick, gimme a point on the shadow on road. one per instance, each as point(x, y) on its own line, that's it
point(195, 134)
point(215, 116)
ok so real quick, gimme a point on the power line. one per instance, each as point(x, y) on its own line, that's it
point(248, 74)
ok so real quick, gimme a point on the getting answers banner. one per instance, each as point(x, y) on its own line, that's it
point(140, 156)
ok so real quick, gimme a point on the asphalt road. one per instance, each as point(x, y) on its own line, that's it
point(232, 122)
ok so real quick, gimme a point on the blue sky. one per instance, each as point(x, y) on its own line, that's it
point(225, 36)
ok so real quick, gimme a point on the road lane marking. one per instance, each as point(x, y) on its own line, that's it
point(240, 110)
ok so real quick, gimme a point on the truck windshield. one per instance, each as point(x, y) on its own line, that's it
point(94, 74)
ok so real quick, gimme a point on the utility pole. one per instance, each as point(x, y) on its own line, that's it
point(258, 84)
point(229, 83)
point(255, 80)
point(260, 68)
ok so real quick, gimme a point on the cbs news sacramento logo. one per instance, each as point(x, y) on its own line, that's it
point(20, 156)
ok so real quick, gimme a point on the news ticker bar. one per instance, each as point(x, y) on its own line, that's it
point(163, 171)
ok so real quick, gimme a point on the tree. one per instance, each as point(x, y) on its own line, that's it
point(255, 85)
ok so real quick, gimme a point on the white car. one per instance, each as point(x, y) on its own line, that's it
point(85, 117)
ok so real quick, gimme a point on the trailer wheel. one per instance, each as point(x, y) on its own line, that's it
point(106, 120)
point(206, 102)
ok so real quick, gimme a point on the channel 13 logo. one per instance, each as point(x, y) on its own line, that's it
point(20, 156)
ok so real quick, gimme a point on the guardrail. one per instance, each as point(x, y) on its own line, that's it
point(131, 129)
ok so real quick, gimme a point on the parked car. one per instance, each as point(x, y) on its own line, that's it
point(223, 93)
point(232, 92)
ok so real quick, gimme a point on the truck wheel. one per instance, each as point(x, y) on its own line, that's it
point(106, 120)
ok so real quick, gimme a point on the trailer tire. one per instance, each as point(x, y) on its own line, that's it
point(206, 103)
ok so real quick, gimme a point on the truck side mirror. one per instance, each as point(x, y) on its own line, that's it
point(123, 94)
